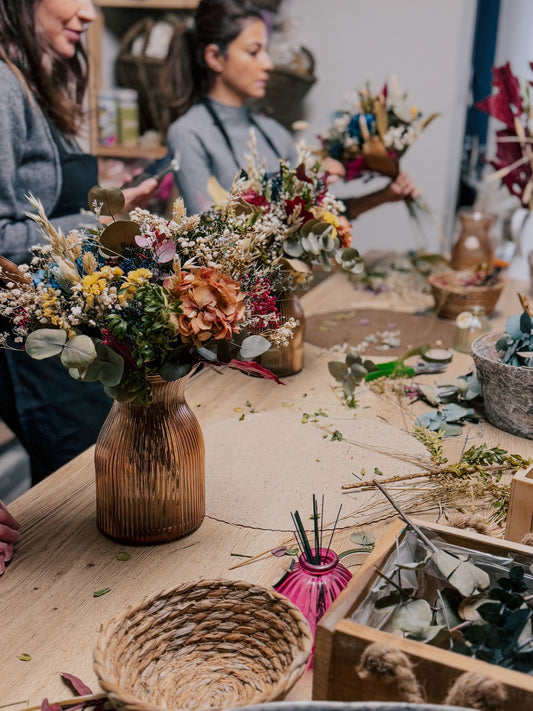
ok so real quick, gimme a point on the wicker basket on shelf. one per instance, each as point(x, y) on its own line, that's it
point(211, 644)
point(452, 296)
point(136, 69)
point(287, 87)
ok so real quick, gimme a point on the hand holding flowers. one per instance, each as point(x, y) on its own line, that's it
point(374, 132)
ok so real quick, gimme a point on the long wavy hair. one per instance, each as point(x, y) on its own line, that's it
point(186, 74)
point(58, 84)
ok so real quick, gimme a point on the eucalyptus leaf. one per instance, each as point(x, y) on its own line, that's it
point(253, 346)
point(428, 634)
point(413, 617)
point(462, 574)
point(292, 247)
point(78, 352)
point(390, 601)
point(111, 200)
point(107, 367)
point(45, 342)
point(118, 234)
point(338, 369)
point(363, 538)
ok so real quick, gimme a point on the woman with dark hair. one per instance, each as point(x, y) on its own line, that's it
point(215, 68)
point(43, 77)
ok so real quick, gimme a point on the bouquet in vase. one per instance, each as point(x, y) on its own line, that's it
point(141, 297)
point(295, 220)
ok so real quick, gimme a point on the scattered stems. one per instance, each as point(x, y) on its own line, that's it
point(404, 516)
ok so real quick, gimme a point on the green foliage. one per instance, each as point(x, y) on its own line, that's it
point(517, 343)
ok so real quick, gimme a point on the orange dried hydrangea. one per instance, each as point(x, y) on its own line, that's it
point(211, 304)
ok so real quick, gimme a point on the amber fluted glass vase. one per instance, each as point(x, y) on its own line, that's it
point(289, 359)
point(150, 468)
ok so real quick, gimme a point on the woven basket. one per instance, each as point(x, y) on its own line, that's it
point(507, 389)
point(209, 645)
point(144, 73)
point(286, 89)
point(452, 296)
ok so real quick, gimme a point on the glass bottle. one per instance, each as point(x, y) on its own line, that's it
point(312, 587)
point(468, 326)
point(473, 246)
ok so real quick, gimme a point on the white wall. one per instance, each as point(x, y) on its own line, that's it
point(428, 45)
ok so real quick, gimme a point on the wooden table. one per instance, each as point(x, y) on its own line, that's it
point(46, 596)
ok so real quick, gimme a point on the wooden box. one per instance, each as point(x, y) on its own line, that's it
point(520, 514)
point(340, 641)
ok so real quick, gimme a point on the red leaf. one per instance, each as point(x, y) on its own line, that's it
point(78, 685)
point(302, 175)
point(45, 706)
point(252, 368)
point(499, 105)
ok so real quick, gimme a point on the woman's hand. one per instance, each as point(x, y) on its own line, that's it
point(9, 533)
point(139, 195)
point(401, 188)
point(334, 170)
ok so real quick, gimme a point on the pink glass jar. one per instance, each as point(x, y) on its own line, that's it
point(312, 587)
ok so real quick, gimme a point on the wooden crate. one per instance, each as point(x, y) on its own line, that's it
point(520, 514)
point(340, 642)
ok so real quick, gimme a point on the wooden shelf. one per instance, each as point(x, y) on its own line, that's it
point(94, 49)
point(150, 4)
point(117, 151)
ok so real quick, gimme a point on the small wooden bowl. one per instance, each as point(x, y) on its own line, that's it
point(452, 296)
point(211, 644)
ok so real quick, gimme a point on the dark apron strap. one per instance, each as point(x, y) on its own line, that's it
point(79, 173)
point(218, 123)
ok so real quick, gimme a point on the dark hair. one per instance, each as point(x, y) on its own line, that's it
point(215, 22)
point(57, 83)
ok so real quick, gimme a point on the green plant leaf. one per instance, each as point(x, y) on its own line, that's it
point(78, 352)
point(107, 367)
point(338, 370)
point(413, 617)
point(462, 574)
point(363, 538)
point(103, 591)
point(45, 342)
point(123, 556)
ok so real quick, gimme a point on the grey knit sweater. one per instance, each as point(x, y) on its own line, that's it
point(203, 151)
point(29, 163)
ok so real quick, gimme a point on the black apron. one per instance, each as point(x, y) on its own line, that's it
point(54, 416)
point(79, 173)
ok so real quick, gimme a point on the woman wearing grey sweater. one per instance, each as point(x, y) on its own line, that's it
point(215, 68)
point(42, 81)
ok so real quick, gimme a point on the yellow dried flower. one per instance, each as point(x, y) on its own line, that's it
point(89, 263)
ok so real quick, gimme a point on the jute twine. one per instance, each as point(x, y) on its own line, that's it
point(477, 692)
point(386, 665)
point(527, 539)
point(475, 522)
point(212, 644)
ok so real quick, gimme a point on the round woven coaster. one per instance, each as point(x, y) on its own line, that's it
point(372, 329)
